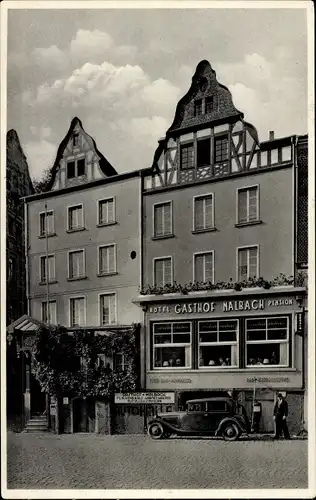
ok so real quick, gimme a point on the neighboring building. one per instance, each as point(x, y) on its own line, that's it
point(83, 234)
point(19, 184)
point(221, 207)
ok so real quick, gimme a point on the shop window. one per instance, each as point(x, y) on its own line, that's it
point(218, 343)
point(221, 148)
point(163, 271)
point(204, 267)
point(75, 218)
point(47, 271)
point(106, 211)
point(209, 104)
point(76, 264)
point(267, 342)
point(248, 263)
point(47, 223)
point(108, 309)
point(198, 107)
point(187, 156)
point(248, 204)
point(172, 345)
point(203, 152)
point(203, 212)
point(163, 219)
point(77, 311)
point(107, 259)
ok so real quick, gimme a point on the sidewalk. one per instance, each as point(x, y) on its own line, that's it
point(269, 437)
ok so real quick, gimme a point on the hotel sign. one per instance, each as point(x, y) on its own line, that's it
point(154, 398)
point(221, 306)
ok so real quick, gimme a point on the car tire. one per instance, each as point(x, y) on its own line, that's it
point(230, 432)
point(156, 430)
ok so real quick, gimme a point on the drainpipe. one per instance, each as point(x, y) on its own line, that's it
point(26, 251)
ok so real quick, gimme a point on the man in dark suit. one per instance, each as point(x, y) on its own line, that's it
point(280, 414)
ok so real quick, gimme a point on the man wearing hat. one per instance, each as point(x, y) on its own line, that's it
point(280, 414)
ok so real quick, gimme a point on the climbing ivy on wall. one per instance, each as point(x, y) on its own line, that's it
point(66, 364)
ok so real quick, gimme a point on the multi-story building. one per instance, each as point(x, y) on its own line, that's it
point(83, 250)
point(19, 184)
point(223, 233)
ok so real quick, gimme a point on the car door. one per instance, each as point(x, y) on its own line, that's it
point(196, 418)
point(216, 411)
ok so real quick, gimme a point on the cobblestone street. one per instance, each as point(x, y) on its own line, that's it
point(111, 462)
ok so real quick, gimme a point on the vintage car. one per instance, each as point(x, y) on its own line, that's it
point(221, 416)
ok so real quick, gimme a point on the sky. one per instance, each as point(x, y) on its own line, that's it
point(122, 73)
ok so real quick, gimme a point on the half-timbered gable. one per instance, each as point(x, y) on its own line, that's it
point(209, 138)
point(78, 160)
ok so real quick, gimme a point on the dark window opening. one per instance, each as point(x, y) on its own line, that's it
point(75, 140)
point(203, 152)
point(187, 156)
point(71, 170)
point(133, 254)
point(198, 107)
point(209, 104)
point(81, 167)
point(221, 149)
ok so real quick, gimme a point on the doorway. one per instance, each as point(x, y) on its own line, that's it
point(38, 398)
point(84, 415)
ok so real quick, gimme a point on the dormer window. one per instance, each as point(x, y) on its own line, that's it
point(198, 107)
point(75, 140)
point(209, 104)
point(76, 168)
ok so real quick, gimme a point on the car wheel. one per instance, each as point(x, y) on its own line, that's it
point(155, 430)
point(230, 432)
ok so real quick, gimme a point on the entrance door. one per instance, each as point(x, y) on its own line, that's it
point(84, 415)
point(38, 398)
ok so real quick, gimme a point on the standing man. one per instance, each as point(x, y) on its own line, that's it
point(280, 414)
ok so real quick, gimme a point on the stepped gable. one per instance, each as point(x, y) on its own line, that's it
point(204, 85)
point(107, 169)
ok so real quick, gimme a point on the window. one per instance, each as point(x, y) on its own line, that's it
point(76, 264)
point(218, 343)
point(51, 268)
point(267, 341)
point(75, 140)
point(108, 309)
point(77, 311)
point(11, 269)
point(52, 317)
point(203, 267)
point(163, 219)
point(198, 107)
point(107, 259)
point(119, 362)
point(172, 345)
point(106, 211)
point(203, 152)
point(163, 271)
point(75, 218)
point(248, 204)
point(187, 156)
point(47, 223)
point(209, 104)
point(203, 212)
point(221, 148)
point(76, 168)
point(248, 263)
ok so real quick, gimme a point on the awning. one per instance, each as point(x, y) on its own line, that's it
point(24, 324)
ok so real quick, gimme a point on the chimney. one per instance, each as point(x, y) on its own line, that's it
point(271, 135)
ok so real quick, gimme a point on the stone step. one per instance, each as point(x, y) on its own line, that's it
point(34, 423)
point(36, 429)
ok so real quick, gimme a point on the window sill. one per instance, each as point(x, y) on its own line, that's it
point(283, 369)
point(105, 224)
point(206, 230)
point(43, 236)
point(51, 282)
point(162, 237)
point(250, 223)
point(101, 275)
point(77, 278)
point(75, 230)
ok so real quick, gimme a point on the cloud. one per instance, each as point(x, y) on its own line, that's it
point(50, 56)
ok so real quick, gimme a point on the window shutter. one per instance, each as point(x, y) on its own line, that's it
point(112, 309)
point(158, 230)
point(199, 214)
point(253, 261)
point(242, 206)
point(208, 262)
point(167, 271)
point(208, 212)
point(242, 265)
point(105, 310)
point(51, 268)
point(110, 206)
point(252, 203)
point(81, 312)
point(167, 218)
point(111, 257)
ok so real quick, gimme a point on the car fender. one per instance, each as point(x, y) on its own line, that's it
point(166, 425)
point(229, 420)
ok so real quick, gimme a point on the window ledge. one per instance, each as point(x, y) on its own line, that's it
point(104, 224)
point(77, 278)
point(163, 237)
point(170, 369)
point(43, 236)
point(250, 223)
point(75, 230)
point(206, 230)
point(100, 275)
point(51, 282)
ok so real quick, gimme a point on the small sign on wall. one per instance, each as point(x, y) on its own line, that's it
point(145, 398)
point(65, 401)
point(52, 409)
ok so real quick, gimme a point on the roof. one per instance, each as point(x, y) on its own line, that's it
point(24, 323)
point(105, 165)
